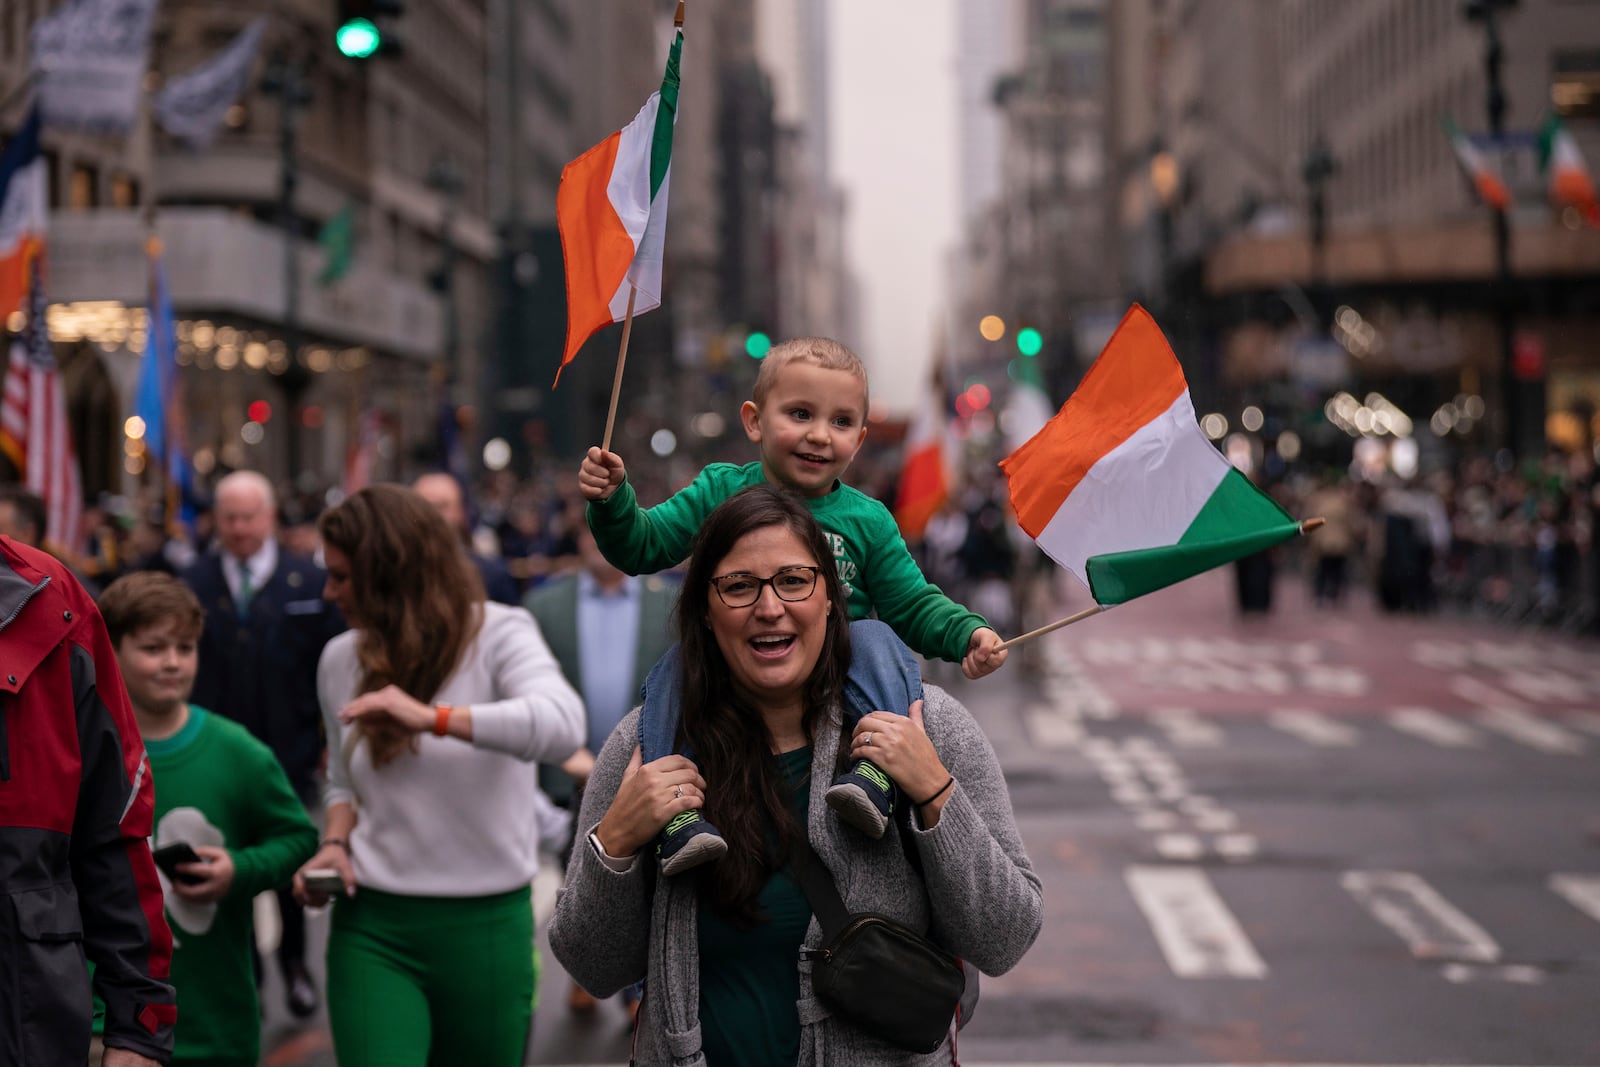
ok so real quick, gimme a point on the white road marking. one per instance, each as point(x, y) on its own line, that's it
point(1587, 721)
point(1533, 731)
point(1156, 820)
point(1183, 728)
point(1582, 891)
point(1197, 933)
point(1515, 973)
point(1180, 846)
point(1432, 927)
point(1236, 847)
point(1481, 693)
point(1314, 728)
point(1050, 730)
point(1432, 727)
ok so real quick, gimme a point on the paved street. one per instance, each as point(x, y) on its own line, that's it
point(1310, 838)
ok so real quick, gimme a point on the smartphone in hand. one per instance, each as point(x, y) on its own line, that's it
point(168, 857)
point(323, 880)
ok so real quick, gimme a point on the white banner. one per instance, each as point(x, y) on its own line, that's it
point(89, 58)
point(193, 106)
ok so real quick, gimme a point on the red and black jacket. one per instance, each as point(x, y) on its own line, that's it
point(76, 801)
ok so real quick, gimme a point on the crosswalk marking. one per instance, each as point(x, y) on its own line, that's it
point(1534, 732)
point(1430, 726)
point(1197, 933)
point(1050, 730)
point(1314, 728)
point(1185, 729)
point(1582, 891)
point(1432, 927)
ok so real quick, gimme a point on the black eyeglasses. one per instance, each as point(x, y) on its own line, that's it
point(742, 590)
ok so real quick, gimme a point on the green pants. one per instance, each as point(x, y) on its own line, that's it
point(437, 981)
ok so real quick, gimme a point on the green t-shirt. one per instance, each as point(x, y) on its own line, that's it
point(879, 575)
point(217, 785)
point(750, 978)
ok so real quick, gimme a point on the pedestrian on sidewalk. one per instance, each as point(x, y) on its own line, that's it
point(223, 794)
point(762, 704)
point(438, 708)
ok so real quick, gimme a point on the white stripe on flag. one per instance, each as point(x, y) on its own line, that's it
point(1176, 470)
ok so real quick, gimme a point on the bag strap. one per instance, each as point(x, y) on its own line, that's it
point(817, 884)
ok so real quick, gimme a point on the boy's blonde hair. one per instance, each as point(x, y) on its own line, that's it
point(822, 351)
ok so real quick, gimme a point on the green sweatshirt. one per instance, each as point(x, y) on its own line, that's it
point(878, 572)
point(217, 785)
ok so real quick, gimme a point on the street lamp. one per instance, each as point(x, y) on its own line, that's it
point(1318, 168)
point(285, 78)
point(1523, 401)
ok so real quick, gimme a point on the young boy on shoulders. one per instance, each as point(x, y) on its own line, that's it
point(222, 793)
point(808, 416)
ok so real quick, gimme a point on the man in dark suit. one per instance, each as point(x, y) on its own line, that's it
point(444, 493)
point(266, 623)
point(606, 630)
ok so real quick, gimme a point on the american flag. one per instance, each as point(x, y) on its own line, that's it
point(33, 424)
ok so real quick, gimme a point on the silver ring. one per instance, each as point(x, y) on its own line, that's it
point(866, 738)
point(678, 793)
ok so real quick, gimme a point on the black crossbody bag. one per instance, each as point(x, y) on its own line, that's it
point(878, 973)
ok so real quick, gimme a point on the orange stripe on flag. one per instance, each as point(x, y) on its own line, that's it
point(1492, 190)
point(595, 247)
point(922, 490)
point(14, 274)
point(1135, 379)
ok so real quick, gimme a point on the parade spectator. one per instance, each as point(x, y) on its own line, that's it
point(436, 707)
point(224, 795)
point(606, 630)
point(443, 491)
point(762, 700)
point(75, 823)
point(1331, 545)
point(808, 416)
point(23, 518)
point(265, 626)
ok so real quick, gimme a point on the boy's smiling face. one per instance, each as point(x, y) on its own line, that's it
point(809, 427)
point(158, 666)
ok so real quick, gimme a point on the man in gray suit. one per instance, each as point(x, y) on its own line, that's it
point(606, 629)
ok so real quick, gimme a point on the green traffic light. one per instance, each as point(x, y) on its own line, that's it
point(358, 38)
point(757, 345)
point(1029, 341)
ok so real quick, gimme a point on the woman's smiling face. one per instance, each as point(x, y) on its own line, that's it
point(771, 646)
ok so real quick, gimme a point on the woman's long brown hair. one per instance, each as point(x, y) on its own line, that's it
point(729, 737)
point(418, 599)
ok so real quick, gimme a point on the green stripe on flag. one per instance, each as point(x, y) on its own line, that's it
point(1237, 520)
point(666, 115)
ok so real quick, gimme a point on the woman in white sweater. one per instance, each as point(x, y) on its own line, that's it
point(438, 707)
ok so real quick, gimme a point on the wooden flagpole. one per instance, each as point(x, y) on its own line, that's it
point(622, 358)
point(1305, 527)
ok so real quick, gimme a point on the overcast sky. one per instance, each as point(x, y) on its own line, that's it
point(894, 128)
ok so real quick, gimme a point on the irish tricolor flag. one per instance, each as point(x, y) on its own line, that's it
point(611, 208)
point(1488, 184)
point(1570, 182)
point(1123, 489)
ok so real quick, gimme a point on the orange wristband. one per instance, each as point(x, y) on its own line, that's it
point(441, 719)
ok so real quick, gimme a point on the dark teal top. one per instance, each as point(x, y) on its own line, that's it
point(750, 978)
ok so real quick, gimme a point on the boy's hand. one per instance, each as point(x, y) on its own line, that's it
point(215, 874)
point(984, 654)
point(600, 475)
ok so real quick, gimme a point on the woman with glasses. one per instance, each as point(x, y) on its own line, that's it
point(765, 644)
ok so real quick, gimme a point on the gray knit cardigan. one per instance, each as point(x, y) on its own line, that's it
point(981, 898)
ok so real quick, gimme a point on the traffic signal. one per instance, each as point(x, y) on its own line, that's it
point(366, 28)
point(1029, 341)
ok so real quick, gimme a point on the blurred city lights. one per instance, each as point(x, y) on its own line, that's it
point(978, 396)
point(1215, 426)
point(1030, 342)
point(259, 411)
point(756, 346)
point(992, 327)
point(1289, 445)
point(708, 424)
point(311, 417)
point(497, 453)
point(664, 442)
point(357, 38)
point(134, 427)
point(251, 433)
point(1251, 418)
point(1403, 457)
point(1240, 453)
